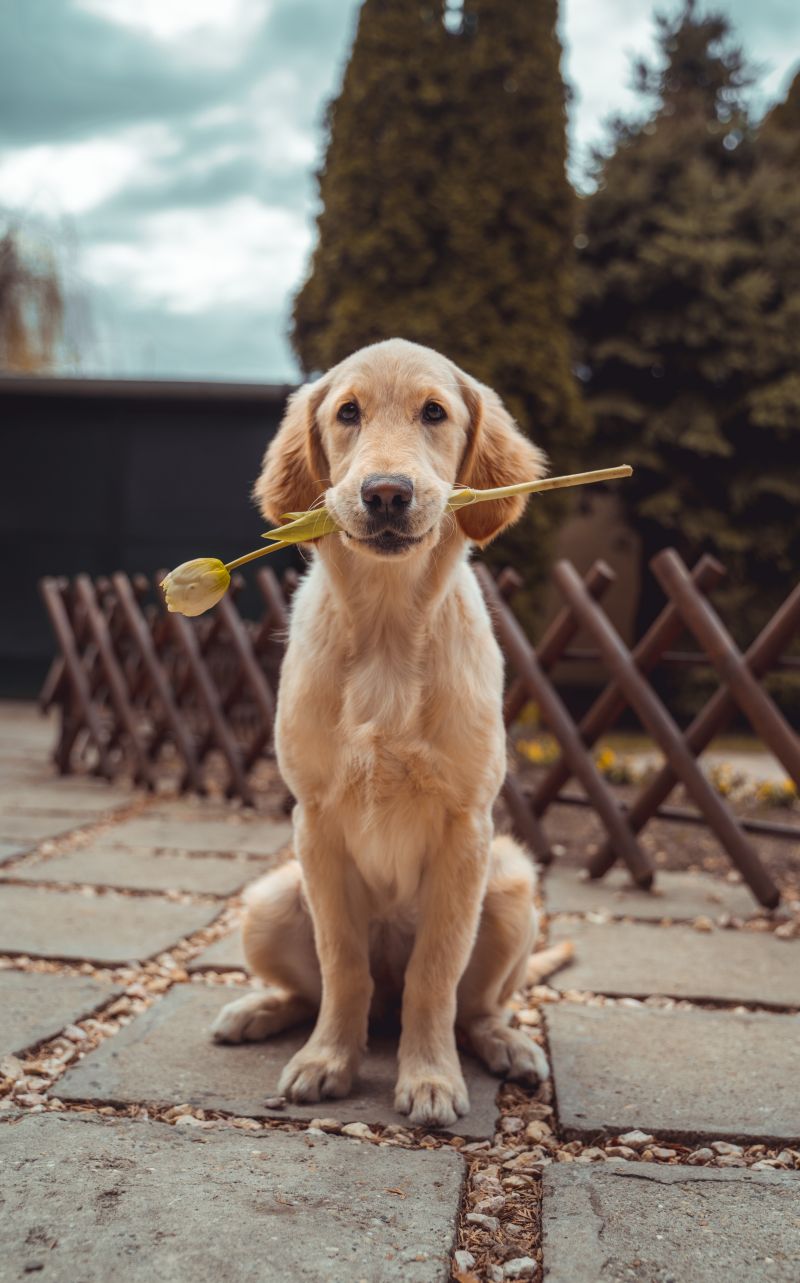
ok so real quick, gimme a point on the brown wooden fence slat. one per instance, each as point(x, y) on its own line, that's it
point(523, 658)
point(115, 679)
point(79, 682)
point(713, 718)
point(160, 687)
point(188, 643)
point(557, 637)
point(665, 731)
point(608, 707)
point(251, 672)
point(703, 621)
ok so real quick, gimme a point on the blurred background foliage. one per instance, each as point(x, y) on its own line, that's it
point(31, 305)
point(652, 321)
point(447, 218)
point(653, 318)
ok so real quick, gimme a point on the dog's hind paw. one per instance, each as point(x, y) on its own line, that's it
point(258, 1015)
point(508, 1052)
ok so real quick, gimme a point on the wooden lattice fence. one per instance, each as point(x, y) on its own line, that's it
point(139, 689)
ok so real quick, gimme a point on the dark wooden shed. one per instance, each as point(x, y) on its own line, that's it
point(101, 475)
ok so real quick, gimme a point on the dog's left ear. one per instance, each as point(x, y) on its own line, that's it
point(497, 454)
point(295, 469)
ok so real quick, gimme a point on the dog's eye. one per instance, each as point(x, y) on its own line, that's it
point(349, 412)
point(432, 412)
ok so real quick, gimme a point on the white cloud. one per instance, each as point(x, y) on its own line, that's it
point(600, 41)
point(210, 31)
point(52, 179)
point(280, 135)
point(241, 253)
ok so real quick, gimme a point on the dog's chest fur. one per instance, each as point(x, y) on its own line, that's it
point(393, 732)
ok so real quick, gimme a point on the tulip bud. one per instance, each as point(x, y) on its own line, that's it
point(196, 586)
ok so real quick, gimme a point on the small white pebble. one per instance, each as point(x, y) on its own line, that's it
point(725, 1147)
point(463, 1260)
point(359, 1130)
point(636, 1139)
point(522, 1267)
point(326, 1124)
point(489, 1223)
point(490, 1206)
point(511, 1124)
point(538, 1131)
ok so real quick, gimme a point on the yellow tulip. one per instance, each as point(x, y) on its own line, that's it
point(196, 586)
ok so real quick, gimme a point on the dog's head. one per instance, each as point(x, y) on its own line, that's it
point(385, 436)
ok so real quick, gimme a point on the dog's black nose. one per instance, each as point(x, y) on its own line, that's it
point(387, 494)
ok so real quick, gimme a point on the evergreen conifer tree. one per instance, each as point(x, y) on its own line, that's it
point(763, 425)
point(447, 217)
point(677, 307)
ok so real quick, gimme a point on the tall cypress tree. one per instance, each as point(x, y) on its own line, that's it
point(447, 217)
point(673, 298)
point(764, 421)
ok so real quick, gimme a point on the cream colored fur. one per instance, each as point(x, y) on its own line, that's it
point(390, 735)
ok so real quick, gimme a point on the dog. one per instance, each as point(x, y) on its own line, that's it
point(389, 733)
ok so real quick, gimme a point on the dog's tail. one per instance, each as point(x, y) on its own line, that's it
point(546, 961)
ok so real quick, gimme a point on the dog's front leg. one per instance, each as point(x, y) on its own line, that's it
point(430, 1085)
point(326, 1064)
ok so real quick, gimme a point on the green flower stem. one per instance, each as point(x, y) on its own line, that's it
point(460, 498)
point(251, 556)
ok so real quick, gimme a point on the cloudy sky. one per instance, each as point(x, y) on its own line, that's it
point(168, 148)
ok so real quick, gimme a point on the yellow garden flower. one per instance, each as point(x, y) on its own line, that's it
point(196, 586)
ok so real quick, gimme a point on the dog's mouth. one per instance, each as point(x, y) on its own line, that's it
point(388, 542)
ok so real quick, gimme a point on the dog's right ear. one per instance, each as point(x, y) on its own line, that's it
point(295, 469)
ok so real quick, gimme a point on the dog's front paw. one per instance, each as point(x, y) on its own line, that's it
point(432, 1098)
point(316, 1072)
point(508, 1052)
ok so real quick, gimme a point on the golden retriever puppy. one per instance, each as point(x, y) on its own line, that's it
point(389, 732)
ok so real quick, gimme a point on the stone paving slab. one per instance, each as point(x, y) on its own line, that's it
point(35, 827)
point(35, 1006)
point(92, 1200)
point(681, 1074)
point(105, 929)
point(67, 795)
point(166, 1057)
point(143, 870)
point(679, 896)
point(639, 960)
point(226, 954)
point(250, 837)
point(11, 849)
point(658, 1224)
